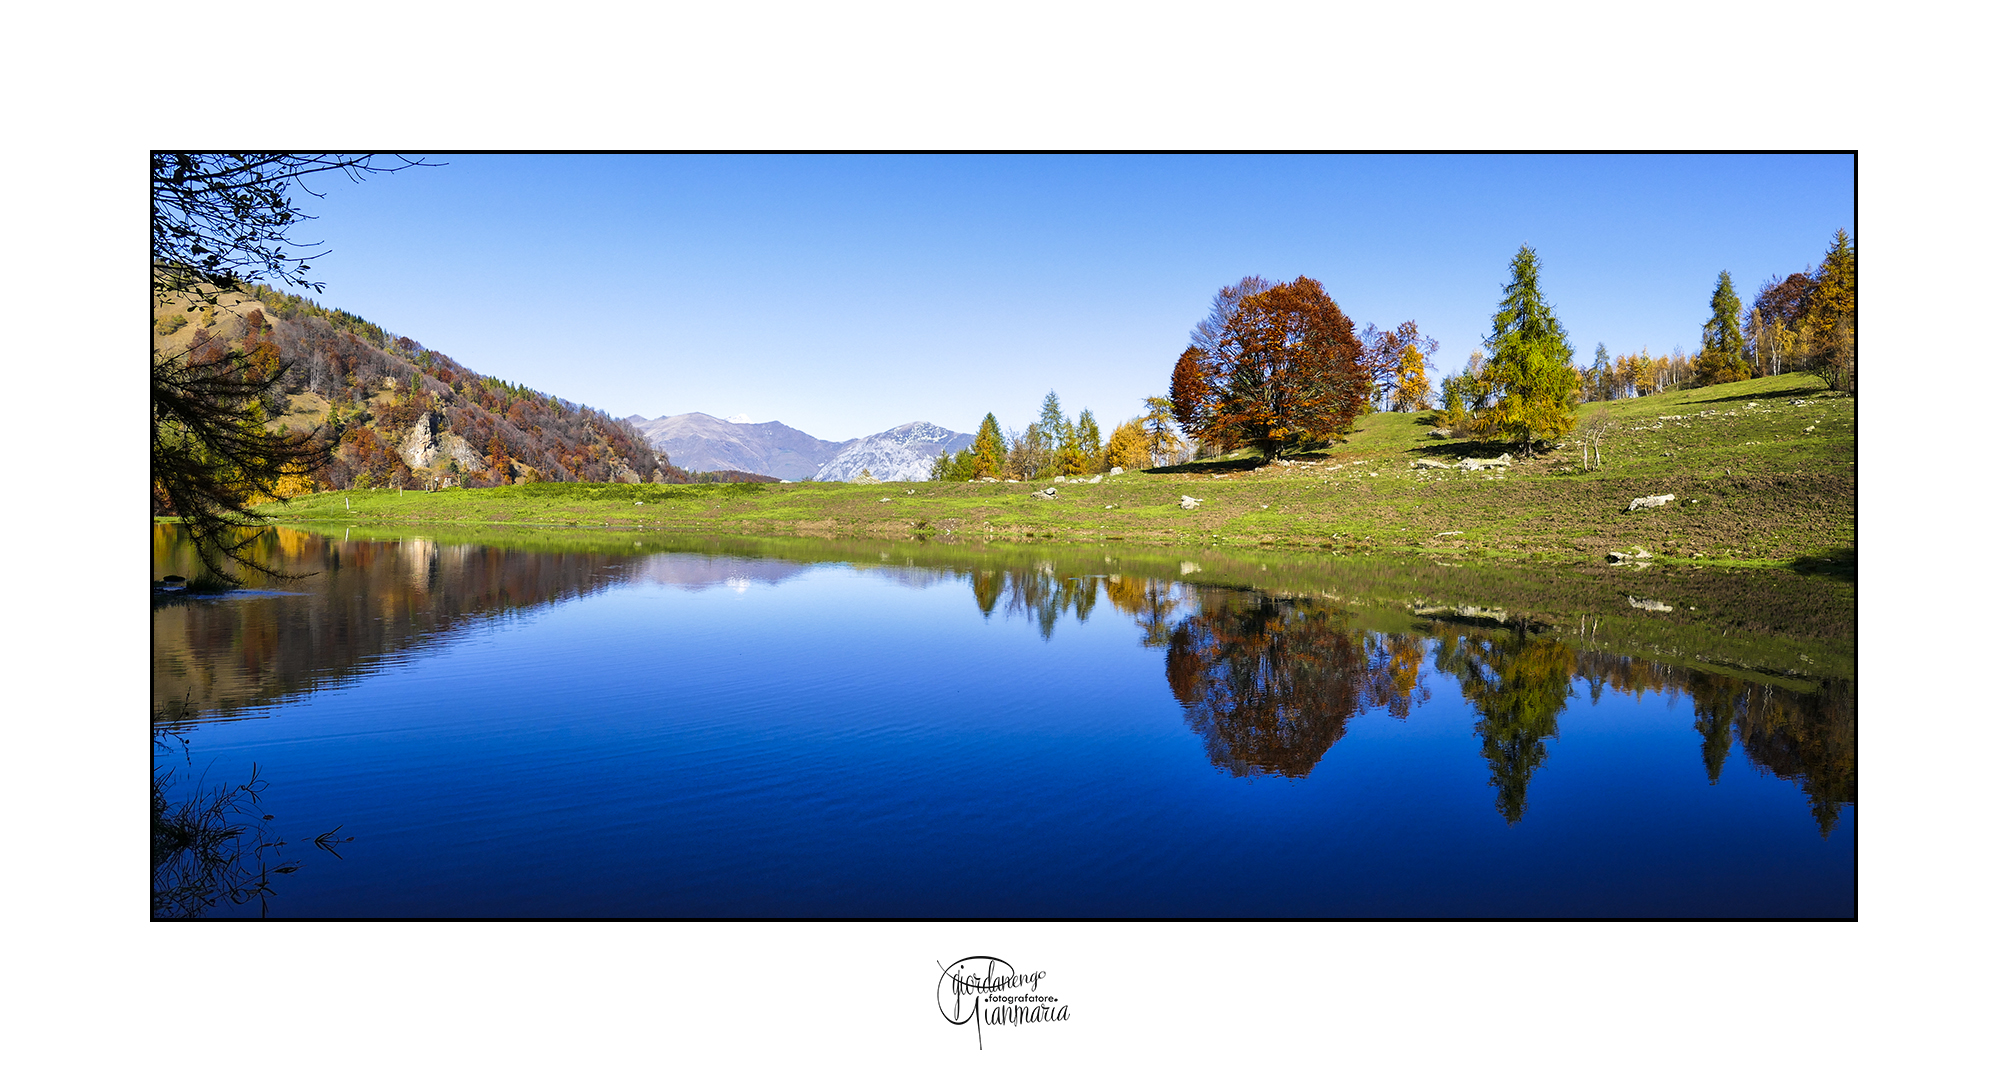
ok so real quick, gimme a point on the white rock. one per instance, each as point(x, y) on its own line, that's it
point(1646, 502)
point(1189, 502)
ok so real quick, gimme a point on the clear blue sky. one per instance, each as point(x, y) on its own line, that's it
point(847, 294)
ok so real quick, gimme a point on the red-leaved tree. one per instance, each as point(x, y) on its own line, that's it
point(1282, 371)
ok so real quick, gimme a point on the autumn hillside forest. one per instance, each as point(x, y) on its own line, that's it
point(393, 413)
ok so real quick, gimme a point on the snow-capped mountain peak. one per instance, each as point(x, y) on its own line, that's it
point(903, 453)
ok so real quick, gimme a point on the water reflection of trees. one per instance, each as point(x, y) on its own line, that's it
point(363, 602)
point(1270, 683)
point(1803, 735)
point(1038, 594)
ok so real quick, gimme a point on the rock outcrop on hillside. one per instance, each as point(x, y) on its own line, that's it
point(428, 444)
point(903, 453)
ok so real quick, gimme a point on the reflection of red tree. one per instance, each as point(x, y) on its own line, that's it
point(1269, 684)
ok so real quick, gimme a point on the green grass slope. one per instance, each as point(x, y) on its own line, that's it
point(1763, 473)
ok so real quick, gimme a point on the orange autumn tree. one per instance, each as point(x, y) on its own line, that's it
point(1275, 367)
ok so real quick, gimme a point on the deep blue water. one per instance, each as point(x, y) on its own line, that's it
point(690, 736)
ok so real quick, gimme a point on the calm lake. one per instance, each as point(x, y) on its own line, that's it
point(615, 725)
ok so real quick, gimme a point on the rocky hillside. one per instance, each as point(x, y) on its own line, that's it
point(701, 442)
point(903, 453)
point(398, 413)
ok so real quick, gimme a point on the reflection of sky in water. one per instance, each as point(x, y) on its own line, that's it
point(715, 736)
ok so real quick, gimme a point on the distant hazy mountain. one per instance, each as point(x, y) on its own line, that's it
point(698, 572)
point(704, 443)
point(903, 453)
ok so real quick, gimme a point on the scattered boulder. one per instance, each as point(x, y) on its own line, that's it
point(1096, 479)
point(1647, 502)
point(1636, 554)
point(1439, 433)
point(1049, 493)
point(1116, 470)
point(1647, 604)
point(1188, 502)
point(885, 500)
point(1428, 463)
point(1471, 464)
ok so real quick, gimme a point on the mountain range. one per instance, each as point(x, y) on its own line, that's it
point(903, 453)
point(712, 444)
point(701, 442)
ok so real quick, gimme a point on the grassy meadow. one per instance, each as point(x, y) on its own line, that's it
point(1762, 471)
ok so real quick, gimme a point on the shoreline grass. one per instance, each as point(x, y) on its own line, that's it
point(1763, 475)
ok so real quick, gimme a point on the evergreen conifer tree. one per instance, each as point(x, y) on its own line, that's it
point(1055, 433)
point(1721, 359)
point(1088, 437)
point(1829, 325)
point(1602, 377)
point(1528, 380)
point(988, 448)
